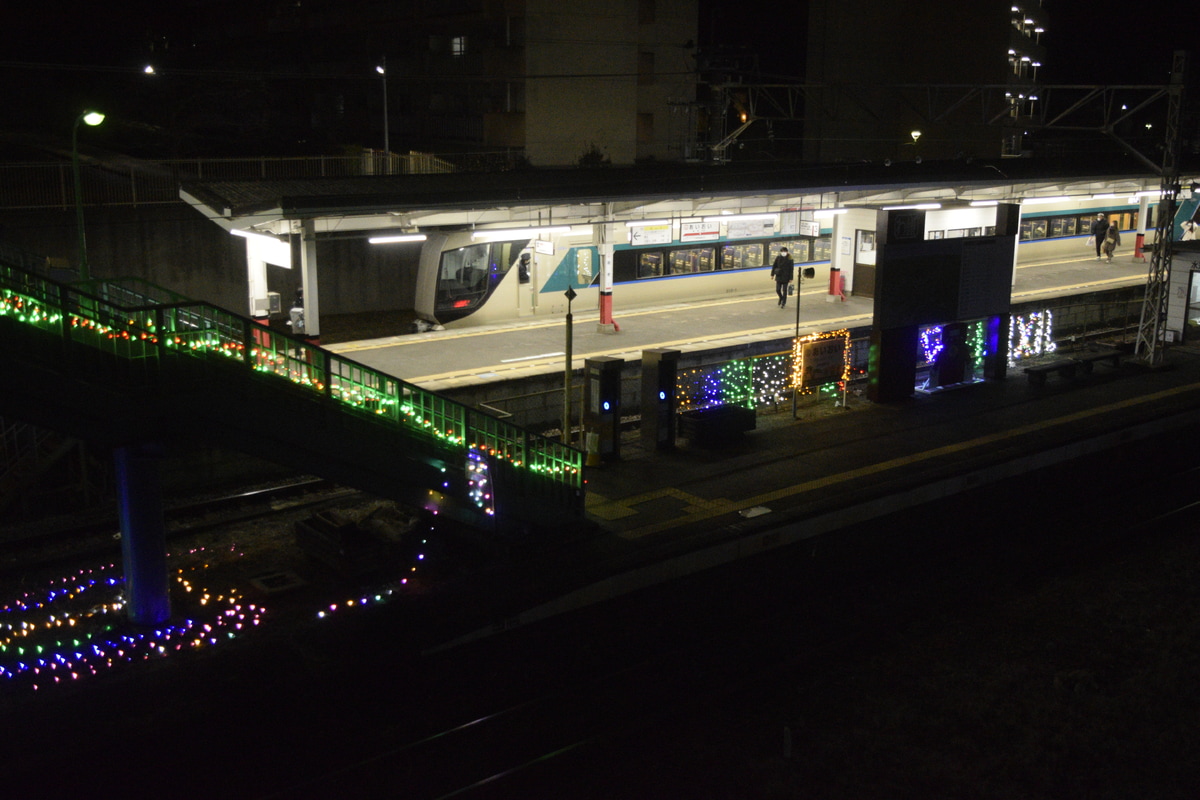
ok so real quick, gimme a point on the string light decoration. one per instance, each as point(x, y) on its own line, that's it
point(205, 331)
point(772, 378)
point(73, 628)
point(479, 483)
point(802, 373)
point(751, 382)
point(931, 343)
point(1031, 336)
point(977, 343)
point(383, 593)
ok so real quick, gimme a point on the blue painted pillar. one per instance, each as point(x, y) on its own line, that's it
point(143, 534)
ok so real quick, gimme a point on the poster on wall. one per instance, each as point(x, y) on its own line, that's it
point(789, 223)
point(749, 228)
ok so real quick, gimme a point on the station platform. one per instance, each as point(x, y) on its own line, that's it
point(653, 515)
point(458, 357)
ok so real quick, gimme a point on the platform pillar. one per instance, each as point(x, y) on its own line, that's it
point(607, 323)
point(143, 534)
point(309, 283)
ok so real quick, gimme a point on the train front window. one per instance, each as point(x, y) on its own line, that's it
point(468, 275)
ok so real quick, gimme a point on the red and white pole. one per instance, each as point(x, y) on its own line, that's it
point(607, 323)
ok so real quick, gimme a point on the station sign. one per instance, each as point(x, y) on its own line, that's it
point(821, 359)
point(699, 231)
point(543, 247)
point(650, 234)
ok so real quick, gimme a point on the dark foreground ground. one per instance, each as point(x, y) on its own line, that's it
point(1023, 653)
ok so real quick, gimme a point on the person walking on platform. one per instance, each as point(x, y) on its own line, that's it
point(1099, 231)
point(1112, 240)
point(783, 270)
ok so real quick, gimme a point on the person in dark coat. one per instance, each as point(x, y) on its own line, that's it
point(1112, 240)
point(783, 270)
point(1099, 231)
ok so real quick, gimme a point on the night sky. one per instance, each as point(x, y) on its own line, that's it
point(44, 45)
point(1096, 42)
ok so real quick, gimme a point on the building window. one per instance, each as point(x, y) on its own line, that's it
point(645, 69)
point(458, 46)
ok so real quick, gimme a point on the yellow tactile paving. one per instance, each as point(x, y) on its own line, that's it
point(709, 509)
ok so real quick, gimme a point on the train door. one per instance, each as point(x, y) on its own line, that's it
point(526, 282)
point(1191, 322)
point(864, 263)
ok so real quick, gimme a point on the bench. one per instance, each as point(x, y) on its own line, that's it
point(1067, 367)
point(1088, 360)
point(716, 426)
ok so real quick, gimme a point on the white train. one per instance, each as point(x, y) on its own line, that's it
point(476, 278)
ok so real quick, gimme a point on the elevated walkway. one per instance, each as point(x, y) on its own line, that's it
point(126, 363)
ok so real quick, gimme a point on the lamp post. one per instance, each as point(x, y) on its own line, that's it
point(566, 435)
point(382, 70)
point(92, 119)
point(803, 272)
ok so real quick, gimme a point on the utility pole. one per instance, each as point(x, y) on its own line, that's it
point(1152, 328)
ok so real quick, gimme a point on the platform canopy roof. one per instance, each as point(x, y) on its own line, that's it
point(381, 204)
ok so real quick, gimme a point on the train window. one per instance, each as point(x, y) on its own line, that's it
point(691, 260)
point(650, 264)
point(1034, 228)
point(643, 264)
point(463, 276)
point(504, 256)
point(464, 266)
point(742, 256)
point(822, 248)
point(799, 249)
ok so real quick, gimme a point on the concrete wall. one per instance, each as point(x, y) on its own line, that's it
point(174, 247)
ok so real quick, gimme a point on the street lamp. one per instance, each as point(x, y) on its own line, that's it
point(92, 119)
point(382, 70)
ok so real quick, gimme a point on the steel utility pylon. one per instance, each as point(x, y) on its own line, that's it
point(1152, 328)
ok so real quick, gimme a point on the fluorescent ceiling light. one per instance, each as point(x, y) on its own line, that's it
point(646, 223)
point(405, 237)
point(254, 235)
point(1153, 193)
point(740, 217)
point(826, 213)
point(1109, 196)
point(519, 233)
point(1038, 201)
point(984, 203)
point(915, 207)
point(262, 247)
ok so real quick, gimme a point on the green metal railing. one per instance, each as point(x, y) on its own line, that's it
point(136, 330)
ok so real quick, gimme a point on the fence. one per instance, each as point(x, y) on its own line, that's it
point(143, 333)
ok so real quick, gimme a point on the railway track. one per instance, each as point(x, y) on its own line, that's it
point(586, 707)
point(90, 535)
